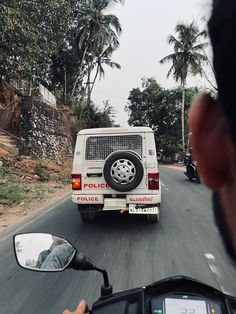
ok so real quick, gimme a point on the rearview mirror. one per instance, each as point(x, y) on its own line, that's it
point(43, 252)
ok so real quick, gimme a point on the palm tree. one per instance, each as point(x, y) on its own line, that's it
point(187, 58)
point(96, 32)
point(104, 58)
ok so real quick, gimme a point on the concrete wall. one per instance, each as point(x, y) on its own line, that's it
point(48, 97)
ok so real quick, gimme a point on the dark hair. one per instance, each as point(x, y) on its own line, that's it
point(221, 223)
point(222, 31)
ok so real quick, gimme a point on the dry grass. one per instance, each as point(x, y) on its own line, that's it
point(22, 190)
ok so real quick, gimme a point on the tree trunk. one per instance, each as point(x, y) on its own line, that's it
point(78, 75)
point(95, 78)
point(183, 116)
point(29, 92)
point(88, 85)
point(65, 82)
point(74, 86)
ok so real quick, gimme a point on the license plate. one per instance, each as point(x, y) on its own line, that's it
point(151, 210)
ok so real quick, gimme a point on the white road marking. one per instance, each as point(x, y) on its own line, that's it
point(164, 186)
point(210, 256)
point(216, 271)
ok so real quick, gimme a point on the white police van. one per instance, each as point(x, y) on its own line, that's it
point(116, 169)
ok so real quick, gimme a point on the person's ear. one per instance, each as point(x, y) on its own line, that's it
point(209, 135)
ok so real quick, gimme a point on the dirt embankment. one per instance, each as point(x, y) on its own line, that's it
point(10, 108)
point(26, 185)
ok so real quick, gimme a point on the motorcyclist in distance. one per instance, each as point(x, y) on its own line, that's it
point(213, 127)
point(188, 158)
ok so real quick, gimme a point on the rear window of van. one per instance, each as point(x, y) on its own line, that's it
point(100, 147)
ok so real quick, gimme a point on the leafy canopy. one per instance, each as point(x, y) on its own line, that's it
point(159, 108)
point(187, 57)
point(30, 32)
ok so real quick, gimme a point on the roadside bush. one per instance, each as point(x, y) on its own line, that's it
point(41, 170)
point(11, 193)
point(65, 179)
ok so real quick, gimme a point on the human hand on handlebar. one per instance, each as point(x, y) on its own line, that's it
point(81, 309)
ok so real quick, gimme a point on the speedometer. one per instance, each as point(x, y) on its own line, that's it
point(182, 306)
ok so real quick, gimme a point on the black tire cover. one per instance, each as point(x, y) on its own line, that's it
point(123, 187)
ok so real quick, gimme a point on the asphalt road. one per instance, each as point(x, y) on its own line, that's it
point(135, 253)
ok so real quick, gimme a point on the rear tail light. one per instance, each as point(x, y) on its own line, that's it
point(76, 182)
point(153, 181)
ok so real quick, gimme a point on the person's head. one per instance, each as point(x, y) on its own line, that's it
point(56, 241)
point(213, 123)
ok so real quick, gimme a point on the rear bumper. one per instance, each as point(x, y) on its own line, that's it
point(130, 199)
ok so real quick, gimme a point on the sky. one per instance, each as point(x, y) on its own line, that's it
point(31, 245)
point(146, 25)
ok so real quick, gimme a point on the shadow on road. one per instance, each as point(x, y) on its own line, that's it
point(114, 221)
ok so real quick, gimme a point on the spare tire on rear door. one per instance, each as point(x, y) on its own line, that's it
point(123, 171)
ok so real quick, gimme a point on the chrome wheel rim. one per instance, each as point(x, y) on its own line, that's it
point(123, 171)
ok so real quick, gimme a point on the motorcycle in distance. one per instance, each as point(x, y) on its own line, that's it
point(191, 168)
point(175, 295)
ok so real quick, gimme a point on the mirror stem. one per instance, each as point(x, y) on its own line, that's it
point(105, 275)
point(81, 262)
point(106, 289)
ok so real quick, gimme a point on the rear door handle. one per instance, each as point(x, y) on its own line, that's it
point(99, 174)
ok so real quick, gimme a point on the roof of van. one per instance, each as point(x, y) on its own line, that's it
point(138, 129)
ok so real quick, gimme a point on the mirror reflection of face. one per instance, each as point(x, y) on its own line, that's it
point(43, 252)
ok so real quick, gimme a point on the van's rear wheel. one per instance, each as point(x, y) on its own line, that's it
point(87, 212)
point(153, 218)
point(88, 216)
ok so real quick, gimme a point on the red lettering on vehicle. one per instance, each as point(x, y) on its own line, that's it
point(88, 198)
point(96, 186)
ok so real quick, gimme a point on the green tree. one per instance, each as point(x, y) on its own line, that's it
point(63, 44)
point(96, 32)
point(103, 59)
point(94, 117)
point(159, 108)
point(30, 32)
point(187, 59)
point(62, 73)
